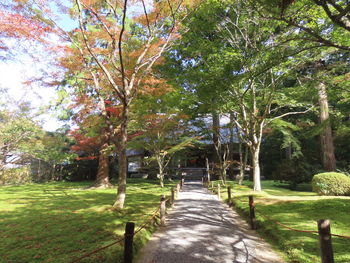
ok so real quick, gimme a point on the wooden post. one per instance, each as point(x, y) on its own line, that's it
point(128, 242)
point(252, 212)
point(162, 210)
point(219, 193)
point(229, 195)
point(324, 231)
point(172, 196)
point(182, 182)
point(212, 185)
point(177, 189)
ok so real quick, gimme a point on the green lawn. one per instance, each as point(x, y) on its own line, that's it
point(58, 222)
point(299, 210)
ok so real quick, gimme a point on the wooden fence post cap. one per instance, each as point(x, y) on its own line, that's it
point(130, 223)
point(323, 223)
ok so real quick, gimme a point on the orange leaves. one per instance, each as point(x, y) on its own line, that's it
point(18, 26)
point(114, 111)
point(154, 86)
point(88, 145)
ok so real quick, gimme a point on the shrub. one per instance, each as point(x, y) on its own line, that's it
point(331, 184)
point(19, 175)
point(294, 171)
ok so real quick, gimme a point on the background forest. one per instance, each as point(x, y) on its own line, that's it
point(277, 70)
point(253, 95)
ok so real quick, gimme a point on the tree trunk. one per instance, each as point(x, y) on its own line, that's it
point(231, 147)
point(223, 179)
point(217, 144)
point(255, 150)
point(207, 169)
point(327, 147)
point(102, 178)
point(288, 151)
point(123, 164)
point(216, 136)
point(161, 176)
point(243, 158)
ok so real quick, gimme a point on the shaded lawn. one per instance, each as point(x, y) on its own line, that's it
point(300, 210)
point(60, 221)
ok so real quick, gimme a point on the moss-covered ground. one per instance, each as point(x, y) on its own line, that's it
point(297, 209)
point(60, 221)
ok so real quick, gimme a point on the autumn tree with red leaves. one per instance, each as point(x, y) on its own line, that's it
point(95, 137)
point(119, 42)
point(130, 45)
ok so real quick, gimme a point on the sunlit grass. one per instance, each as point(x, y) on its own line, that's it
point(57, 222)
point(300, 210)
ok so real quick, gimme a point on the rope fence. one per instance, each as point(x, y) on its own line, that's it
point(97, 250)
point(323, 232)
point(130, 233)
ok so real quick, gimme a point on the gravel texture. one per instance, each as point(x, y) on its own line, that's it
point(200, 228)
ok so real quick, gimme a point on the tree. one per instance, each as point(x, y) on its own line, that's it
point(98, 121)
point(249, 72)
point(18, 134)
point(160, 127)
point(130, 54)
point(325, 22)
point(120, 42)
point(163, 135)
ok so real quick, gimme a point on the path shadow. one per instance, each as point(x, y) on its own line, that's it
point(201, 230)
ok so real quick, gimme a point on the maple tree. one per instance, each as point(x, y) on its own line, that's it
point(118, 43)
point(97, 136)
point(163, 135)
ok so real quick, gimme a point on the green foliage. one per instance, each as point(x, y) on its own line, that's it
point(331, 184)
point(288, 129)
point(20, 175)
point(294, 171)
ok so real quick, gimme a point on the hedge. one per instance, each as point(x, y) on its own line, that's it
point(331, 184)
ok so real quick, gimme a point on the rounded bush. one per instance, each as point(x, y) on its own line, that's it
point(331, 184)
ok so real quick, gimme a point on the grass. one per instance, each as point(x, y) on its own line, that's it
point(300, 210)
point(60, 221)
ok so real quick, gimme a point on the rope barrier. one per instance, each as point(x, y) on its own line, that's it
point(341, 236)
point(287, 227)
point(142, 226)
point(298, 230)
point(146, 222)
point(291, 228)
point(97, 250)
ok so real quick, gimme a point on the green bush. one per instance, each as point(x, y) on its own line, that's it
point(19, 175)
point(295, 171)
point(331, 184)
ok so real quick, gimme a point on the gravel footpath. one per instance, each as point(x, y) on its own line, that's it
point(201, 229)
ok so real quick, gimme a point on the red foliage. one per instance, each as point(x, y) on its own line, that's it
point(88, 146)
point(114, 111)
point(14, 25)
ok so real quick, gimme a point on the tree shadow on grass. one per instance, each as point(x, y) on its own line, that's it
point(303, 215)
point(54, 224)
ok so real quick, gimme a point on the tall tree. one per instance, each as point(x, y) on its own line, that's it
point(327, 147)
point(247, 76)
point(120, 42)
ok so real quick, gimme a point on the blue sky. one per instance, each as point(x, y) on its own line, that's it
point(14, 72)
